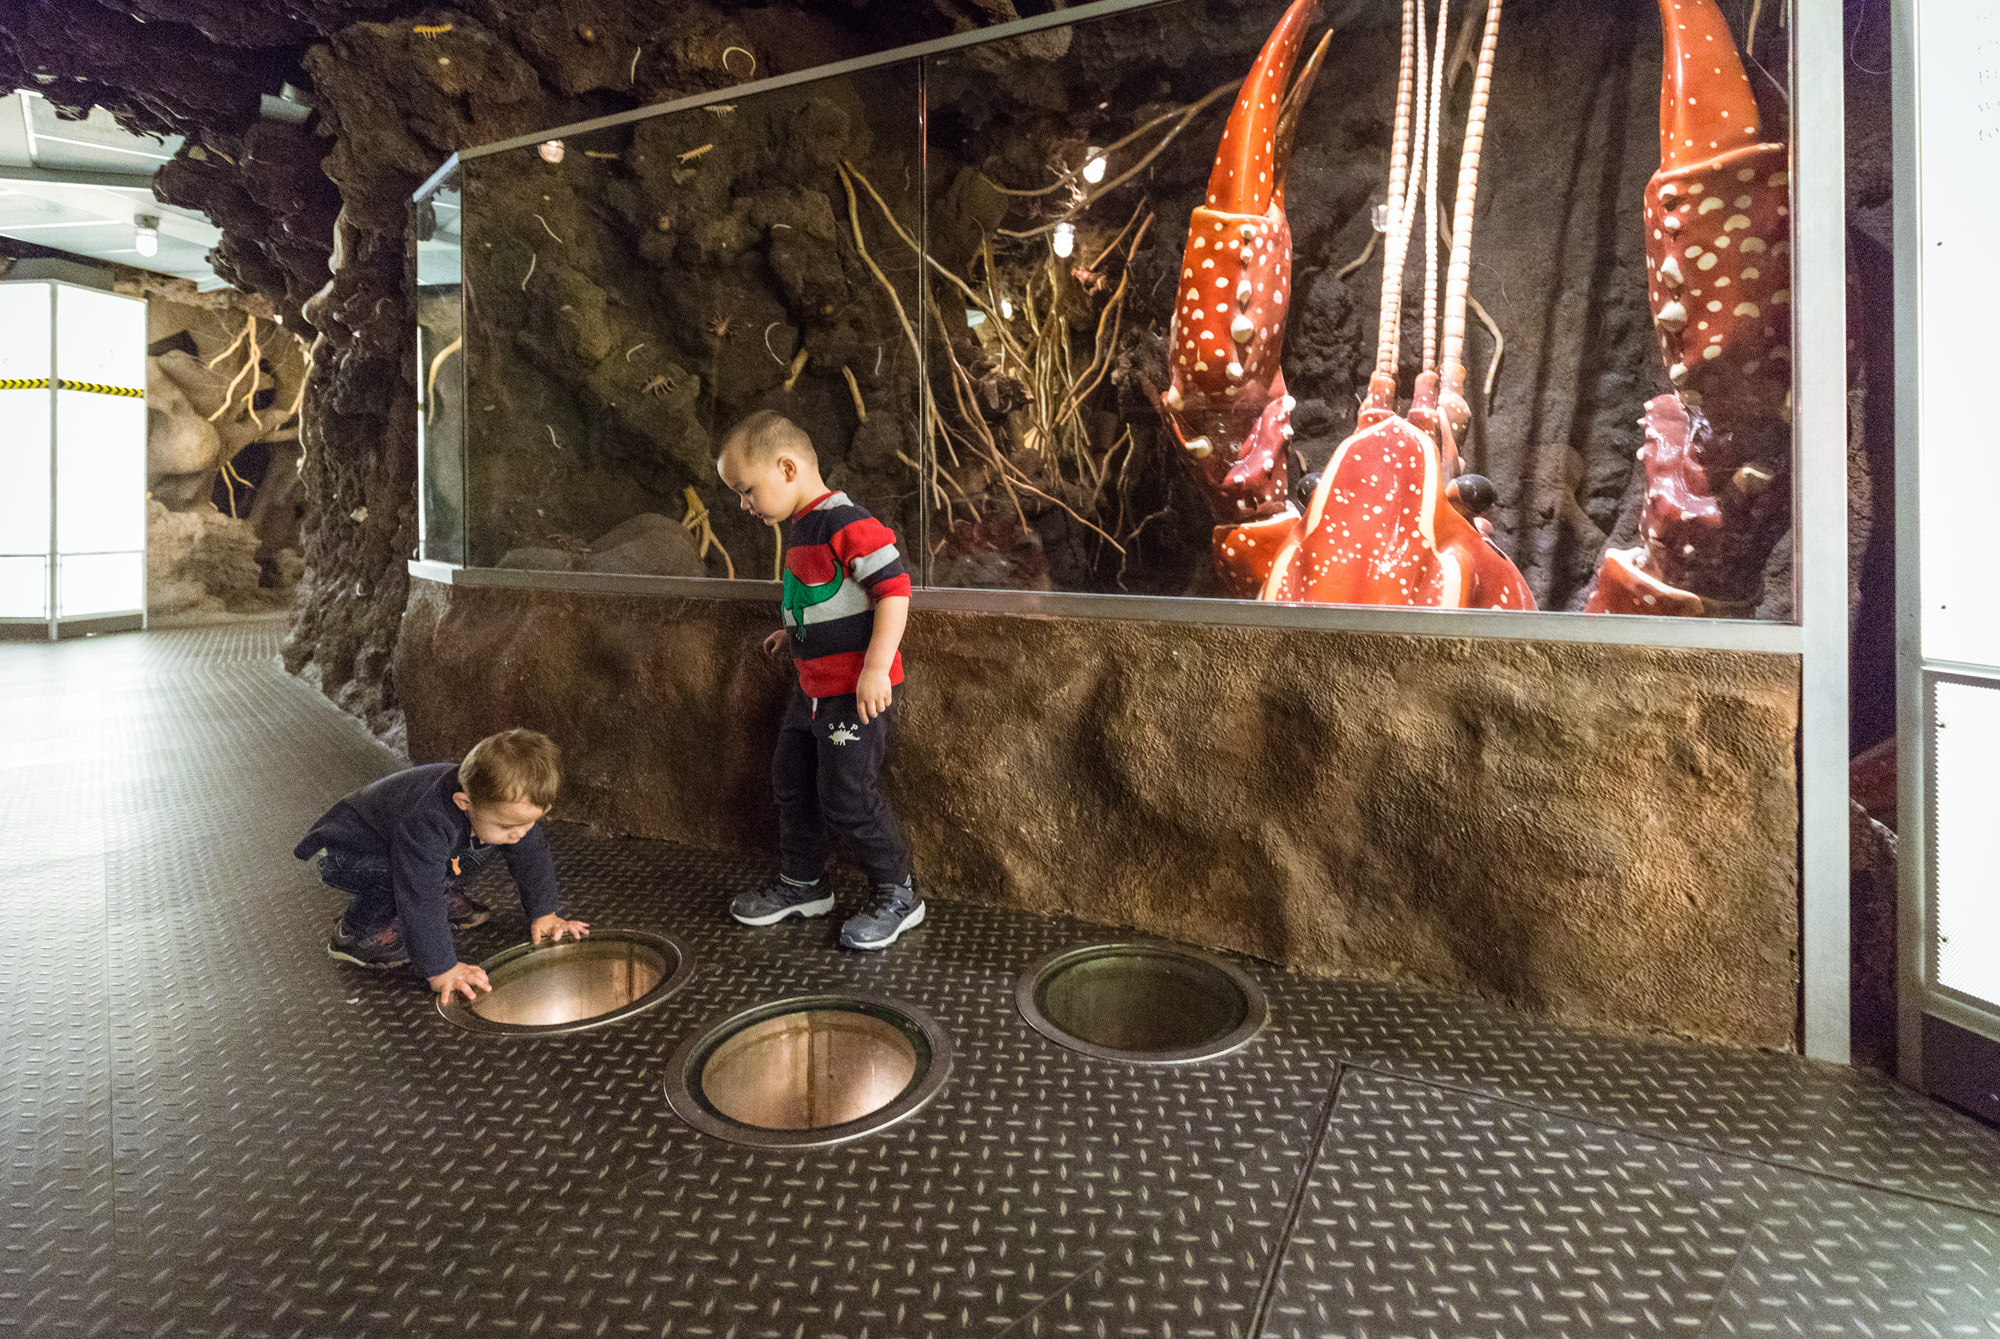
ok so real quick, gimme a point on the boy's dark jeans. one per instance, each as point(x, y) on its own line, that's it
point(824, 772)
point(364, 876)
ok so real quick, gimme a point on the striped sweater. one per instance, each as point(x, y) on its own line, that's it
point(839, 561)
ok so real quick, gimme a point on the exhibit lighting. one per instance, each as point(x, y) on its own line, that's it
point(1093, 166)
point(146, 235)
point(72, 455)
point(1065, 240)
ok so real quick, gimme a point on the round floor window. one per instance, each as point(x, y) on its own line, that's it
point(812, 1070)
point(576, 984)
point(1145, 1003)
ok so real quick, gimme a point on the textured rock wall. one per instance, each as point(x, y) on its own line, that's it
point(1597, 833)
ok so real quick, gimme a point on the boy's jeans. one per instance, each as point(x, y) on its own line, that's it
point(824, 772)
point(364, 876)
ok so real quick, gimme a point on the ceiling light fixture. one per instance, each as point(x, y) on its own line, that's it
point(1093, 166)
point(146, 235)
point(1065, 239)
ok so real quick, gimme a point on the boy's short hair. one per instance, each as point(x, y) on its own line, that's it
point(512, 765)
point(759, 439)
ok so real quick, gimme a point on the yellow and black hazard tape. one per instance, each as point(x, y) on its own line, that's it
point(98, 388)
point(24, 383)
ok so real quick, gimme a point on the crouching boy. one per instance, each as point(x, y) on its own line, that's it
point(403, 848)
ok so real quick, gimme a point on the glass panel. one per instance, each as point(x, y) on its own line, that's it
point(24, 468)
point(100, 583)
point(24, 587)
point(1959, 196)
point(1150, 376)
point(100, 472)
point(25, 351)
point(100, 338)
point(435, 233)
point(1966, 757)
point(632, 294)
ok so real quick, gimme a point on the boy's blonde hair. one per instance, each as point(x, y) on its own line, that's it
point(760, 438)
point(512, 765)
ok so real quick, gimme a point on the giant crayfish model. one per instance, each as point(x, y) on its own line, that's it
point(1381, 527)
point(1718, 260)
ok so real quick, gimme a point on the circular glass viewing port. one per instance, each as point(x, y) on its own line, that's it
point(577, 984)
point(814, 1070)
point(1144, 1003)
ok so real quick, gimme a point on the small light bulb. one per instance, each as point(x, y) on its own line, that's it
point(550, 150)
point(1093, 166)
point(146, 235)
point(1065, 239)
point(1006, 309)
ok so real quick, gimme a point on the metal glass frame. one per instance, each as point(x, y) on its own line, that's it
point(1919, 993)
point(1817, 635)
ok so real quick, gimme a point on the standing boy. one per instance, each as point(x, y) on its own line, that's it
point(847, 597)
point(402, 846)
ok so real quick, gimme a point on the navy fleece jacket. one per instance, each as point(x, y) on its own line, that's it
point(409, 819)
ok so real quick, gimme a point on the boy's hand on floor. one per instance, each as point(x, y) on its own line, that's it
point(553, 927)
point(776, 642)
point(872, 694)
point(463, 976)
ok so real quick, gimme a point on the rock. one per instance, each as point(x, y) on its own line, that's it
point(637, 527)
point(538, 560)
point(202, 560)
point(655, 555)
point(1602, 834)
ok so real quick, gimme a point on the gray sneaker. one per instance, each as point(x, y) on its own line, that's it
point(893, 909)
point(779, 899)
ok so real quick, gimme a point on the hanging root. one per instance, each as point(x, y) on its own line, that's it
point(798, 366)
point(697, 523)
point(1499, 346)
point(854, 389)
point(431, 382)
point(533, 259)
point(747, 52)
point(1360, 260)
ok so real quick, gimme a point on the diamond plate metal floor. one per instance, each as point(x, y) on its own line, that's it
point(213, 1130)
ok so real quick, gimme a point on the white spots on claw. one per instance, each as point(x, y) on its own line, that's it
point(1693, 250)
point(1208, 264)
point(1779, 179)
point(1672, 316)
point(1742, 202)
point(1678, 374)
point(1712, 351)
point(1747, 174)
point(1712, 203)
point(1753, 245)
point(1752, 272)
point(1735, 222)
point(1707, 262)
point(1670, 272)
point(1722, 242)
point(1715, 306)
point(1746, 309)
point(1222, 281)
point(1781, 298)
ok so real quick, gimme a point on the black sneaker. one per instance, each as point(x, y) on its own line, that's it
point(894, 908)
point(382, 949)
point(462, 909)
point(781, 898)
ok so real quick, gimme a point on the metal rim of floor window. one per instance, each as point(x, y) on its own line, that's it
point(668, 959)
point(928, 1043)
point(1228, 1007)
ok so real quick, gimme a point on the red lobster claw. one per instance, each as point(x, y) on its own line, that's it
point(1226, 403)
point(1719, 278)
